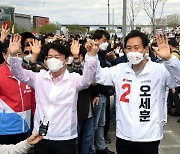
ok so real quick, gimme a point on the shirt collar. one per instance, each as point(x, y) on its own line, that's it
point(49, 76)
point(145, 70)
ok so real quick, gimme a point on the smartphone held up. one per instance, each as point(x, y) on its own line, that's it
point(6, 25)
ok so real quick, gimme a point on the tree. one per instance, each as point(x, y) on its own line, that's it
point(150, 7)
point(172, 20)
point(50, 28)
point(133, 11)
point(76, 29)
point(19, 29)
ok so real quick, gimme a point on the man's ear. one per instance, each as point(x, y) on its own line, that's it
point(66, 61)
point(147, 49)
point(96, 40)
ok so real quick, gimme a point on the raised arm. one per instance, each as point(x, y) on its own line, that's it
point(21, 74)
point(4, 33)
point(102, 75)
point(171, 63)
point(89, 67)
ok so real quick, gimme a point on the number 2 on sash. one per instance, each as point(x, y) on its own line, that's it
point(123, 96)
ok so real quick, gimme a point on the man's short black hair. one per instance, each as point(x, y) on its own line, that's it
point(82, 51)
point(24, 36)
point(137, 33)
point(56, 46)
point(173, 42)
point(99, 34)
point(46, 35)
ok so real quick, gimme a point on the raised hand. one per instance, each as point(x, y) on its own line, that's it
point(14, 45)
point(36, 49)
point(111, 55)
point(92, 47)
point(163, 47)
point(75, 47)
point(56, 37)
point(4, 33)
point(34, 138)
point(35, 46)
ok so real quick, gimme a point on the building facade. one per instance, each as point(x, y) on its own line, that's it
point(23, 21)
point(40, 21)
point(6, 14)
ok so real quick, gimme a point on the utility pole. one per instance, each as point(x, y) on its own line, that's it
point(124, 19)
point(108, 17)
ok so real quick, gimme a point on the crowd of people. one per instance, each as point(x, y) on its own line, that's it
point(61, 86)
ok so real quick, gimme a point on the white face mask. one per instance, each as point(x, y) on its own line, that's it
point(121, 54)
point(28, 58)
point(54, 64)
point(117, 51)
point(147, 55)
point(135, 57)
point(103, 46)
point(70, 60)
point(50, 40)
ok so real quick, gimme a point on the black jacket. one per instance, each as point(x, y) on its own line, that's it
point(84, 102)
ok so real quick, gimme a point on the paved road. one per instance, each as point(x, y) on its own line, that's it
point(170, 144)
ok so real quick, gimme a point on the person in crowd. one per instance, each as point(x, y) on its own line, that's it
point(98, 141)
point(87, 99)
point(173, 97)
point(174, 48)
point(48, 38)
point(56, 93)
point(140, 87)
point(116, 56)
point(27, 38)
point(21, 147)
point(30, 61)
point(17, 102)
point(118, 43)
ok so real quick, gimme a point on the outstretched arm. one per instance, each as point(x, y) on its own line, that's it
point(21, 147)
point(26, 76)
point(102, 75)
point(89, 66)
point(163, 47)
point(171, 63)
